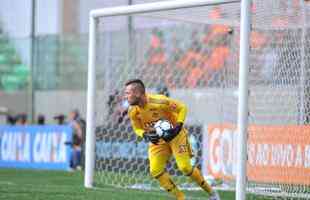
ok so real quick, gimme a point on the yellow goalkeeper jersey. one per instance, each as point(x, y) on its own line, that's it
point(157, 107)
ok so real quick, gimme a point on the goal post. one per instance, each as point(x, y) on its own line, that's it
point(243, 93)
point(90, 118)
point(162, 6)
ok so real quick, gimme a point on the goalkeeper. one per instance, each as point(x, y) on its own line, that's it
point(145, 110)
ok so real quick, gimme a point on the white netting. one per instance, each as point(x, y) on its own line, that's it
point(194, 54)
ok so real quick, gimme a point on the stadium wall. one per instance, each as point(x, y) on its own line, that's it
point(205, 106)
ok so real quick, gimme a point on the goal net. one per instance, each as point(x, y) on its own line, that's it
point(192, 54)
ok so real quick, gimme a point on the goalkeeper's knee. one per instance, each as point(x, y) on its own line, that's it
point(186, 169)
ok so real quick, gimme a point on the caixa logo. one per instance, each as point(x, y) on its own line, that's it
point(222, 152)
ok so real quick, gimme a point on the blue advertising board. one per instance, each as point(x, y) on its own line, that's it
point(39, 147)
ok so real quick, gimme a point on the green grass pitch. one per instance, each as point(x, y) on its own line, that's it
point(17, 184)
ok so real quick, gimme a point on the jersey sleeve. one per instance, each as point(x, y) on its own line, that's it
point(177, 107)
point(136, 124)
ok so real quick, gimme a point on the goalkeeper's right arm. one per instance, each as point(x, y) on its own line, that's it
point(151, 136)
point(136, 125)
point(148, 136)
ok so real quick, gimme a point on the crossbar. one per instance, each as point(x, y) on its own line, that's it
point(154, 7)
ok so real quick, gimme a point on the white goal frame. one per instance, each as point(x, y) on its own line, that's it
point(245, 25)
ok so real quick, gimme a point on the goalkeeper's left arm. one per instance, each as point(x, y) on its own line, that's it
point(180, 109)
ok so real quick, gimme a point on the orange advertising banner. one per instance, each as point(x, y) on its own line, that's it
point(276, 154)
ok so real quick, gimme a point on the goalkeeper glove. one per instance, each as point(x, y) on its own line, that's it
point(151, 136)
point(172, 133)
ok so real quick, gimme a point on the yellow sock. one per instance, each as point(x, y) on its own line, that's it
point(166, 182)
point(198, 178)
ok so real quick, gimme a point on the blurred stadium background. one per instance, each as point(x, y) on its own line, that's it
point(43, 72)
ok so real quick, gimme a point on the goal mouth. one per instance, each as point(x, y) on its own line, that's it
point(193, 54)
